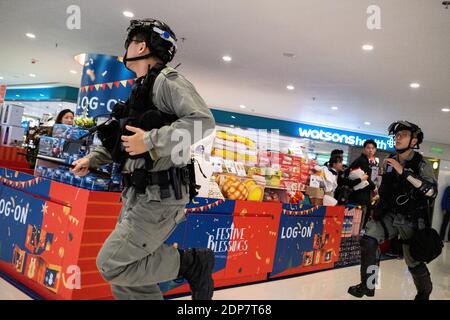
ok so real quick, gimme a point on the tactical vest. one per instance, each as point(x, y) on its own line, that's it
point(139, 111)
point(399, 195)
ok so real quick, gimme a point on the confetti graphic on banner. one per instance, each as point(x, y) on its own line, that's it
point(104, 82)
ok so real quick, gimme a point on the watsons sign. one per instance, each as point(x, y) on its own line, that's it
point(295, 129)
point(17, 212)
point(344, 137)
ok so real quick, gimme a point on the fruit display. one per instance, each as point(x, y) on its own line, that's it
point(245, 172)
point(231, 146)
point(234, 188)
point(85, 122)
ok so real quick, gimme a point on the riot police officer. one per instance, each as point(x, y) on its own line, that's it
point(407, 189)
point(134, 258)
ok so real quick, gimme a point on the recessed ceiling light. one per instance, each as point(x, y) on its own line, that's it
point(367, 47)
point(290, 87)
point(32, 75)
point(415, 85)
point(233, 117)
point(128, 14)
point(227, 58)
point(242, 106)
point(367, 123)
point(445, 110)
point(289, 54)
point(334, 108)
point(73, 72)
point(31, 36)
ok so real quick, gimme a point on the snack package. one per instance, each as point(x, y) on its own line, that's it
point(51, 147)
point(356, 174)
point(67, 132)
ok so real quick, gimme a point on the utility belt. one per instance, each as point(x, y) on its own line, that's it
point(175, 177)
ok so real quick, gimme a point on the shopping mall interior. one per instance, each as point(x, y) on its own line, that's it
point(320, 132)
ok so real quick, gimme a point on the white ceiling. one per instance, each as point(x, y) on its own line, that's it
point(326, 36)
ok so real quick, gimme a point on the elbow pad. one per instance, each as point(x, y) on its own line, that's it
point(426, 188)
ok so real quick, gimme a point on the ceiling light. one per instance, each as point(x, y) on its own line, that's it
point(290, 87)
point(73, 72)
point(415, 85)
point(1, 78)
point(32, 75)
point(41, 95)
point(31, 36)
point(367, 123)
point(128, 14)
point(334, 108)
point(17, 95)
point(60, 104)
point(289, 54)
point(227, 58)
point(242, 106)
point(367, 47)
point(445, 110)
point(233, 117)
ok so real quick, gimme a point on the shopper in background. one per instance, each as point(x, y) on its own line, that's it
point(65, 117)
point(407, 190)
point(363, 197)
point(331, 173)
point(445, 205)
point(135, 259)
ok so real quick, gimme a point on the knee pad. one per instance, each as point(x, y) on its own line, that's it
point(419, 270)
point(368, 243)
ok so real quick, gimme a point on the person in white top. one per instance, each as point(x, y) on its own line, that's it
point(335, 166)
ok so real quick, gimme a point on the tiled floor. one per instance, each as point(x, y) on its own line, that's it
point(396, 283)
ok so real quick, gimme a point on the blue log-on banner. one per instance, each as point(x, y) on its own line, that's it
point(105, 81)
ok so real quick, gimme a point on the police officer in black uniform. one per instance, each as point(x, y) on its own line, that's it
point(142, 135)
point(407, 189)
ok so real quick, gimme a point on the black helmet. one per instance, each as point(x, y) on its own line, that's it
point(158, 37)
point(415, 130)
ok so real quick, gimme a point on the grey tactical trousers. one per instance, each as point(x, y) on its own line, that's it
point(134, 258)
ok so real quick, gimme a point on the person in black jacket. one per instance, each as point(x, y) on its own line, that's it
point(362, 197)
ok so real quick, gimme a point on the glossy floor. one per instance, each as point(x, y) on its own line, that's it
point(396, 283)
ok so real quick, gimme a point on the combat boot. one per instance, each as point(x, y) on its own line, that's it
point(361, 290)
point(422, 281)
point(369, 247)
point(196, 266)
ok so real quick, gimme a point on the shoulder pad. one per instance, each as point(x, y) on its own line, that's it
point(169, 72)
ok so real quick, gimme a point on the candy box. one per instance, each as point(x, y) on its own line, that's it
point(67, 177)
point(77, 181)
point(52, 147)
point(67, 132)
point(59, 173)
point(95, 183)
